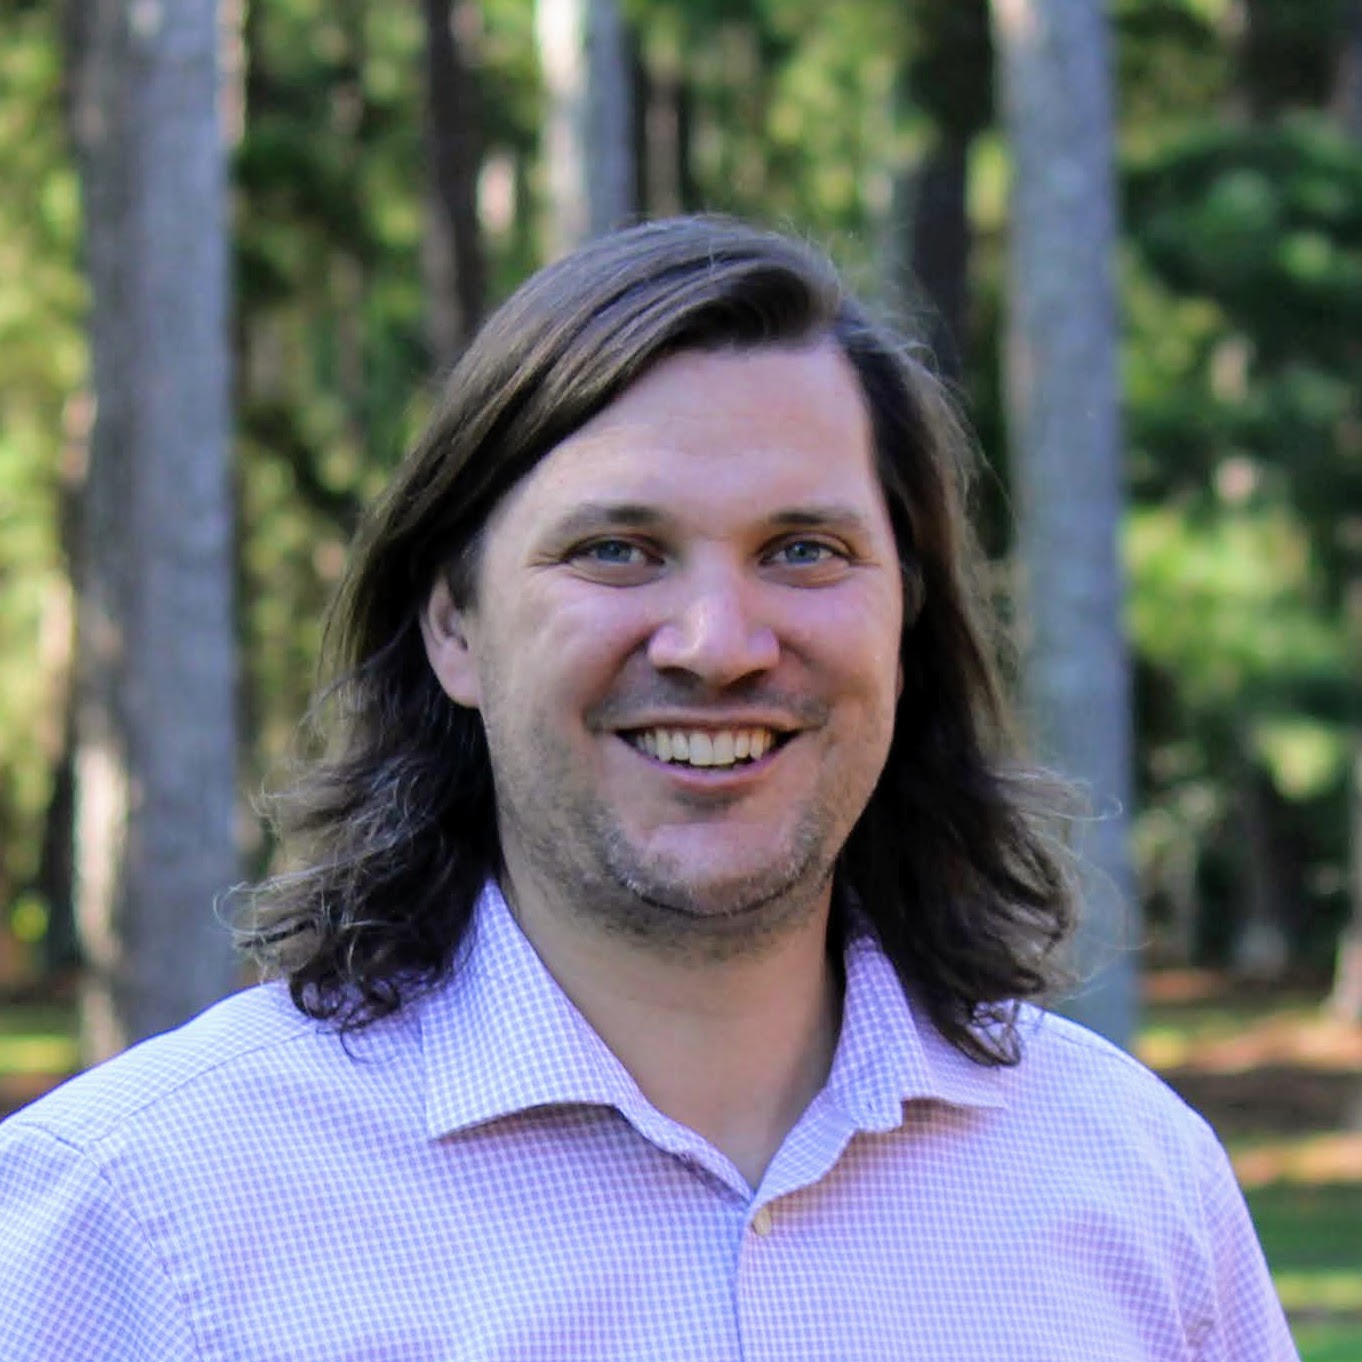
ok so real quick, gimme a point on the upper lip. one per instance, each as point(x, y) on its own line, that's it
point(710, 723)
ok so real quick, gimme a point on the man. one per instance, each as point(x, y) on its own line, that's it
point(649, 976)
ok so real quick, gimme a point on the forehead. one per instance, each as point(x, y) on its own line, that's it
point(717, 433)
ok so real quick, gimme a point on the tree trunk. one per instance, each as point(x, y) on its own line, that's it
point(454, 148)
point(155, 762)
point(940, 246)
point(1053, 65)
point(665, 183)
point(1345, 1001)
point(1347, 100)
point(588, 128)
point(948, 81)
point(1346, 998)
point(1260, 949)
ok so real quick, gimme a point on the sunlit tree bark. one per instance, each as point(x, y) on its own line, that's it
point(156, 755)
point(588, 123)
point(1053, 65)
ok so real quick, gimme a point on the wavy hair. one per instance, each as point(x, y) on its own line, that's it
point(390, 822)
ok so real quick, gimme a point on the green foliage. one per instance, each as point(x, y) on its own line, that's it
point(1268, 223)
point(1230, 602)
point(1244, 289)
point(42, 362)
point(1171, 63)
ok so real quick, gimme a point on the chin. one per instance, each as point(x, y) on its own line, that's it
point(706, 878)
point(739, 897)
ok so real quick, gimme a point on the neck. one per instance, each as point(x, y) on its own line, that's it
point(735, 1049)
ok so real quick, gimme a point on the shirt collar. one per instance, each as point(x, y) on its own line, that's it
point(501, 1037)
point(889, 1053)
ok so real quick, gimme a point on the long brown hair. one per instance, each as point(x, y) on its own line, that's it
point(390, 823)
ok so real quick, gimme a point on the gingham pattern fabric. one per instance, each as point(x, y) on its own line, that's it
point(481, 1179)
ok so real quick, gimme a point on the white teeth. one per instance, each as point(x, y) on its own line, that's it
point(702, 748)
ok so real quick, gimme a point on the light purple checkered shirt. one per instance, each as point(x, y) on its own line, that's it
point(481, 1179)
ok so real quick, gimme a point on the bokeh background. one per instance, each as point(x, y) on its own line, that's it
point(375, 175)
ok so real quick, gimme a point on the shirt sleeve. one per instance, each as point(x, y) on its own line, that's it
point(1249, 1324)
point(78, 1279)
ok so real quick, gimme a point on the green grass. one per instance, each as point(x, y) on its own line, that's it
point(37, 1039)
point(1312, 1236)
point(1328, 1343)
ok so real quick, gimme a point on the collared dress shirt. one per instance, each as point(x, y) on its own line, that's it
point(481, 1179)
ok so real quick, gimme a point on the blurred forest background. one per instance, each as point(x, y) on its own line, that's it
point(393, 169)
point(241, 241)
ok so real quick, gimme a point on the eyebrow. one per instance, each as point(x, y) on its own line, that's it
point(596, 515)
point(593, 516)
point(822, 516)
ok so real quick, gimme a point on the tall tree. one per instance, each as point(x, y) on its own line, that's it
point(156, 750)
point(1064, 430)
point(1347, 92)
point(663, 174)
point(588, 123)
point(453, 135)
point(1346, 997)
point(948, 79)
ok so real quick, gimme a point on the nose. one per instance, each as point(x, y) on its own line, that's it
point(714, 630)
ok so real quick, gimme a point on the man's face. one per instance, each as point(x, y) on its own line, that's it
point(684, 647)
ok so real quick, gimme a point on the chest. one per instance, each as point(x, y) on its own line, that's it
point(621, 1252)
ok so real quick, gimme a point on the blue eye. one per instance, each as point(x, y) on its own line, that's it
point(616, 562)
point(805, 552)
point(615, 552)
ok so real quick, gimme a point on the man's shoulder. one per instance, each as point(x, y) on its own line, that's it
point(1075, 1075)
point(1049, 1038)
point(235, 1056)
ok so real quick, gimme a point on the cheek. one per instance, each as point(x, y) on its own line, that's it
point(858, 639)
point(568, 653)
point(596, 623)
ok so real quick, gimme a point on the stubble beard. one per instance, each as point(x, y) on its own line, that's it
point(741, 916)
point(580, 855)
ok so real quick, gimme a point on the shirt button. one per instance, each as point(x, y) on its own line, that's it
point(761, 1222)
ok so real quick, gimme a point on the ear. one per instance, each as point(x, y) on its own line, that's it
point(446, 632)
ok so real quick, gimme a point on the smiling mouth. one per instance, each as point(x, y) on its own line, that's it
point(706, 749)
